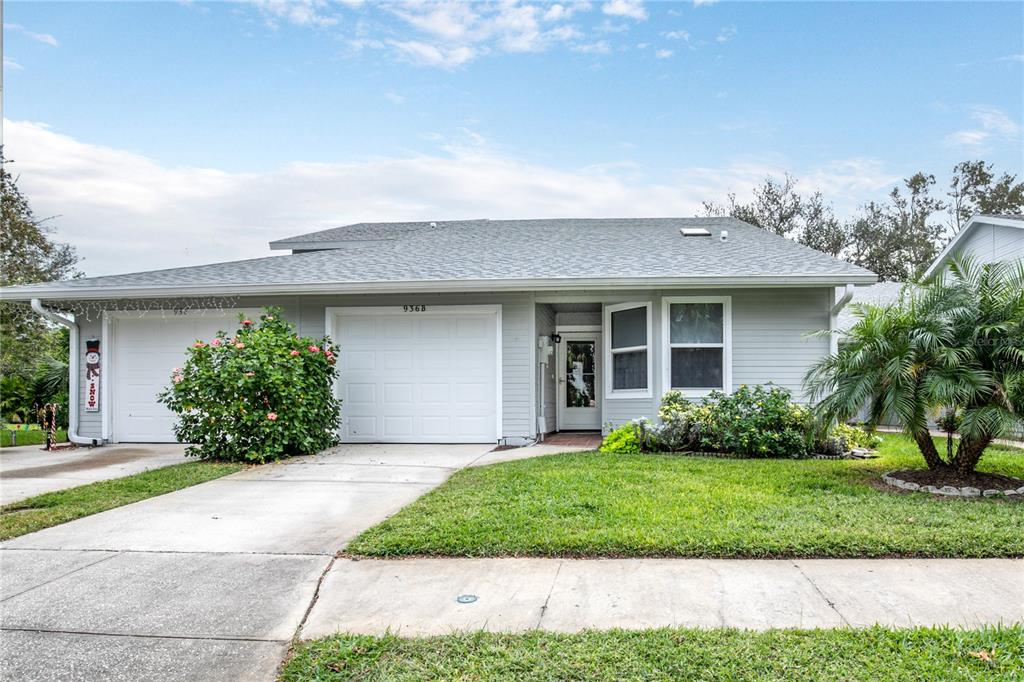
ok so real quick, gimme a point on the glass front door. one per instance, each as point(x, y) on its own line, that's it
point(579, 384)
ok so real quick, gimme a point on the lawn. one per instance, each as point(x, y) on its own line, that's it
point(670, 654)
point(51, 509)
point(596, 505)
point(31, 437)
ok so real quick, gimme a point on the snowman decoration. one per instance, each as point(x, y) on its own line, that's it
point(92, 375)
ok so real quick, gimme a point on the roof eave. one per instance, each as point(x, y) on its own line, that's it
point(407, 286)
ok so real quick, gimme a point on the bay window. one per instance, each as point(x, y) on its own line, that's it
point(627, 340)
point(698, 344)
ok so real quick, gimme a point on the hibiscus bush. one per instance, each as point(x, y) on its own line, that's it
point(260, 394)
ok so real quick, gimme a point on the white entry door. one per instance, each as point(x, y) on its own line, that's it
point(145, 351)
point(419, 373)
point(579, 381)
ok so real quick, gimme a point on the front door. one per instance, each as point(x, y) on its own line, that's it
point(579, 381)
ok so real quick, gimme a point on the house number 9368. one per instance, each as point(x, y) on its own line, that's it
point(414, 308)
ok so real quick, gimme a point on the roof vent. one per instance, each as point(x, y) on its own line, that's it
point(724, 236)
point(694, 232)
point(433, 224)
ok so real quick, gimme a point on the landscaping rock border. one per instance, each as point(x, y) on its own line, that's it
point(951, 491)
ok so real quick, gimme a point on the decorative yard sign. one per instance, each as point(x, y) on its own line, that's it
point(92, 375)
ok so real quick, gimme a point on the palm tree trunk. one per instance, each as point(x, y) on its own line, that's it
point(969, 452)
point(927, 447)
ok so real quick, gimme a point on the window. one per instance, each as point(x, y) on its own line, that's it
point(698, 348)
point(627, 337)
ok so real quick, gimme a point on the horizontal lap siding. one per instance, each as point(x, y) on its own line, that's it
point(991, 243)
point(1008, 243)
point(769, 342)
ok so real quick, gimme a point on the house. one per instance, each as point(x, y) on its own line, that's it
point(986, 238)
point(471, 331)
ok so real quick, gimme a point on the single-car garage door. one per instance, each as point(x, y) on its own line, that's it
point(419, 374)
point(145, 351)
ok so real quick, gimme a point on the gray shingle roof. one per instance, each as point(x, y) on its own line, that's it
point(882, 293)
point(591, 251)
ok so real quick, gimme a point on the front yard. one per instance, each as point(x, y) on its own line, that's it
point(667, 654)
point(605, 505)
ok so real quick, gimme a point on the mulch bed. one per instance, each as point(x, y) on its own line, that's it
point(978, 479)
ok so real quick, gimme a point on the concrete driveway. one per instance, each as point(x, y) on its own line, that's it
point(29, 470)
point(206, 583)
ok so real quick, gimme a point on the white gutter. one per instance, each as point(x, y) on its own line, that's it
point(73, 351)
point(430, 286)
point(833, 316)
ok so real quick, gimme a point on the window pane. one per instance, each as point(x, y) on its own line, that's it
point(629, 370)
point(579, 374)
point(697, 368)
point(696, 322)
point(629, 328)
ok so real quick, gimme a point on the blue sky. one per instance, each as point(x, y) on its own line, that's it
point(195, 132)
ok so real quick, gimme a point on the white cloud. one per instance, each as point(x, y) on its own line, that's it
point(314, 13)
point(633, 9)
point(125, 211)
point(677, 35)
point(394, 98)
point(430, 55)
point(664, 54)
point(12, 65)
point(726, 34)
point(993, 124)
point(40, 37)
point(698, 3)
point(599, 47)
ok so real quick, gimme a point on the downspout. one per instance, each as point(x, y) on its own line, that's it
point(73, 352)
point(833, 340)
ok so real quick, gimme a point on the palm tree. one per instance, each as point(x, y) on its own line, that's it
point(956, 341)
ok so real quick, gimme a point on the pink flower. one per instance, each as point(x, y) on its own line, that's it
point(176, 370)
point(329, 355)
point(239, 345)
point(177, 378)
point(215, 343)
point(294, 353)
point(199, 344)
point(272, 416)
point(246, 322)
point(314, 349)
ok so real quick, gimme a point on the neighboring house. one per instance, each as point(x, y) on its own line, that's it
point(474, 331)
point(988, 238)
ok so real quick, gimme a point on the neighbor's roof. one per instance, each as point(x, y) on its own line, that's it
point(482, 255)
point(883, 293)
point(1000, 219)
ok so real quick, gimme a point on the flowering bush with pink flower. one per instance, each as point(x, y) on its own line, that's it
point(260, 394)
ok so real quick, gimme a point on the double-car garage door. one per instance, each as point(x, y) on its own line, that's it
point(409, 374)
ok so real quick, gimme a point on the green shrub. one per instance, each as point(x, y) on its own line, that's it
point(755, 422)
point(262, 394)
point(854, 437)
point(622, 441)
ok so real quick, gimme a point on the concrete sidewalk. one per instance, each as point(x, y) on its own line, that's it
point(28, 470)
point(419, 596)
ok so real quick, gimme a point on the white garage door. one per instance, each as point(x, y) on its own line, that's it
point(145, 351)
point(422, 376)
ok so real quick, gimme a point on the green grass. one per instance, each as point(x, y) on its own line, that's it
point(670, 654)
point(597, 505)
point(51, 509)
point(33, 437)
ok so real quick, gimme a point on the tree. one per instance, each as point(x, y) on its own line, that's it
point(954, 343)
point(776, 207)
point(28, 254)
point(974, 189)
point(822, 230)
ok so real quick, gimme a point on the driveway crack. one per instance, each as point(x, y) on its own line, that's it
point(551, 589)
point(831, 604)
point(59, 577)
